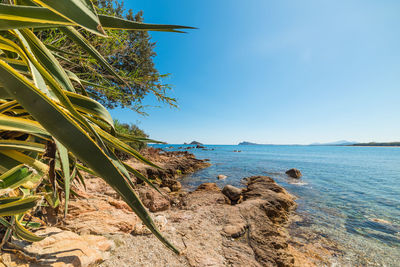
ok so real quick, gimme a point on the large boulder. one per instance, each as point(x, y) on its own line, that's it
point(153, 200)
point(233, 193)
point(294, 173)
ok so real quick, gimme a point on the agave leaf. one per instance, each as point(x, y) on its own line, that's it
point(81, 179)
point(90, 106)
point(118, 144)
point(51, 196)
point(141, 177)
point(21, 145)
point(73, 77)
point(31, 182)
point(31, 224)
point(47, 60)
point(8, 105)
point(58, 123)
point(128, 137)
point(4, 222)
point(18, 17)
point(24, 234)
point(22, 158)
point(7, 163)
point(80, 12)
point(14, 177)
point(64, 159)
point(110, 22)
point(45, 55)
point(17, 206)
point(6, 200)
point(8, 123)
point(85, 169)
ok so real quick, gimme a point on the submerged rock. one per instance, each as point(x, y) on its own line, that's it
point(222, 177)
point(294, 173)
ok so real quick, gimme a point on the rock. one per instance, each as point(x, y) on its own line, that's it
point(222, 177)
point(64, 248)
point(99, 215)
point(233, 193)
point(208, 187)
point(200, 146)
point(161, 221)
point(141, 229)
point(166, 189)
point(173, 163)
point(294, 173)
point(207, 194)
point(153, 200)
point(211, 233)
point(172, 184)
point(235, 230)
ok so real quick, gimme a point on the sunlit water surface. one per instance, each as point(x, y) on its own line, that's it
point(350, 195)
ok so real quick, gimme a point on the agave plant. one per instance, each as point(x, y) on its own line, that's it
point(51, 131)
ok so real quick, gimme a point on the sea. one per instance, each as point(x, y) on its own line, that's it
point(349, 195)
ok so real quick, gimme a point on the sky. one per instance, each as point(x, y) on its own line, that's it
point(275, 72)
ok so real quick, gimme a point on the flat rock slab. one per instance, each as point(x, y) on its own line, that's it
point(62, 248)
point(99, 213)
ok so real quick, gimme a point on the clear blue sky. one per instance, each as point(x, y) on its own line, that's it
point(272, 71)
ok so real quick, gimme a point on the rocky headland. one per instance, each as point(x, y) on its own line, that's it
point(210, 226)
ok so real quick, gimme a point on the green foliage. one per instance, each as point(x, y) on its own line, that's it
point(130, 53)
point(132, 130)
point(48, 121)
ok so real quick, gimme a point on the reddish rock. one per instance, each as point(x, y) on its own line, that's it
point(153, 200)
point(208, 187)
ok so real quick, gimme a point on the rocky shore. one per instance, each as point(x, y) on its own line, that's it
point(210, 226)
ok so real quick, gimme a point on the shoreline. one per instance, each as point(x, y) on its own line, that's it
point(206, 225)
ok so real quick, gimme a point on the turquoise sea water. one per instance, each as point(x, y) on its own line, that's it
point(350, 195)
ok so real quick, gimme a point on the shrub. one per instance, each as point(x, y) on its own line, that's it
point(48, 125)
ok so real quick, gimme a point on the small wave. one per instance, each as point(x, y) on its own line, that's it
point(298, 183)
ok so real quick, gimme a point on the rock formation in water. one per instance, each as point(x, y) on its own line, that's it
point(294, 173)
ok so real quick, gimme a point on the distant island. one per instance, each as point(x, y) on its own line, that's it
point(337, 143)
point(377, 144)
point(195, 143)
point(244, 143)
